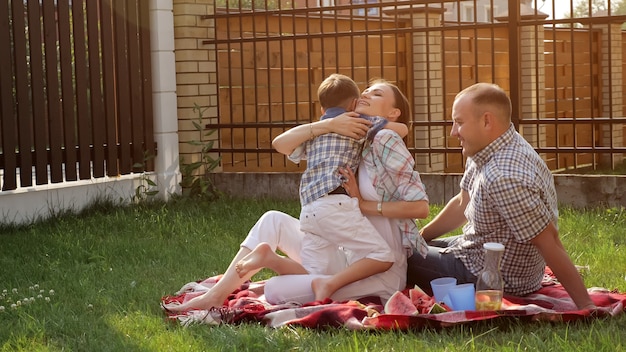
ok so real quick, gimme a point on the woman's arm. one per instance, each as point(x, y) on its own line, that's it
point(347, 124)
point(418, 209)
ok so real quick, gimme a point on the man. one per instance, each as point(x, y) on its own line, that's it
point(507, 196)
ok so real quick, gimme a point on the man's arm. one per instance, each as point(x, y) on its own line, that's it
point(553, 252)
point(450, 218)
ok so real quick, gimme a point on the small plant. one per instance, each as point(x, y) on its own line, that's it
point(195, 175)
point(146, 188)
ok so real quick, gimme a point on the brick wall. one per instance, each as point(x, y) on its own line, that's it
point(196, 71)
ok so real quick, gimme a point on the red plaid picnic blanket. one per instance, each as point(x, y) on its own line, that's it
point(550, 303)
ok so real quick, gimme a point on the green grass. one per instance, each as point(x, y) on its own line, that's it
point(109, 266)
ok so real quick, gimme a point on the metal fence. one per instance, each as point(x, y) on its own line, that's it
point(564, 73)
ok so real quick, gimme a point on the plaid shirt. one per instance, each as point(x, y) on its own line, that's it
point(512, 199)
point(392, 169)
point(325, 154)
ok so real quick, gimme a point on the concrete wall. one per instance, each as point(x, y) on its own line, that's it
point(573, 190)
point(29, 204)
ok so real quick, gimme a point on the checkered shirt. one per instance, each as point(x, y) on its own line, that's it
point(392, 169)
point(325, 154)
point(512, 199)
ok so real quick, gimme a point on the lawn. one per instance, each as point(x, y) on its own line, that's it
point(92, 282)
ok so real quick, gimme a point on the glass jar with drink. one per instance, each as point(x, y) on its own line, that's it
point(490, 285)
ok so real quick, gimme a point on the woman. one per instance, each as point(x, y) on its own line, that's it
point(391, 195)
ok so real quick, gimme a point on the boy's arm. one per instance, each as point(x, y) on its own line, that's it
point(287, 141)
point(345, 124)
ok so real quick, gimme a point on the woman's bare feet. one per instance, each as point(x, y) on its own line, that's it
point(207, 300)
point(322, 288)
point(257, 259)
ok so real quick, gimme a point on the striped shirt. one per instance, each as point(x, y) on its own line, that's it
point(392, 169)
point(325, 154)
point(512, 200)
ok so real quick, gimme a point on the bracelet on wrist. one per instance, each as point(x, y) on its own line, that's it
point(379, 208)
point(312, 137)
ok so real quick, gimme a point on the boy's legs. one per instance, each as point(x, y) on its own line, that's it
point(324, 287)
point(337, 221)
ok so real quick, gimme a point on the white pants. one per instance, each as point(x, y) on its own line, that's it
point(336, 221)
point(282, 231)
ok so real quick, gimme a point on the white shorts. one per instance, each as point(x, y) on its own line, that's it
point(336, 221)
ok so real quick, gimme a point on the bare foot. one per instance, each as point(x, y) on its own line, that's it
point(254, 260)
point(321, 288)
point(207, 300)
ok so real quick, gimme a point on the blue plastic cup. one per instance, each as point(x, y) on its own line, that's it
point(462, 297)
point(441, 286)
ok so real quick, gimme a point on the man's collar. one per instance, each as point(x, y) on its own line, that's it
point(485, 154)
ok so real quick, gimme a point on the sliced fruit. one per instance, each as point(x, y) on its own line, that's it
point(439, 308)
point(400, 304)
point(421, 300)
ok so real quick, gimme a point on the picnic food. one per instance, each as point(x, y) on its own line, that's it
point(421, 300)
point(400, 304)
point(417, 302)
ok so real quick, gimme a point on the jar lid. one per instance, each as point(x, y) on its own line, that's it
point(493, 246)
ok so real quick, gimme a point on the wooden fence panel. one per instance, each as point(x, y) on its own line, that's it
point(97, 109)
point(108, 73)
point(148, 149)
point(8, 135)
point(38, 92)
point(21, 88)
point(465, 63)
point(572, 81)
point(573, 90)
point(67, 90)
point(76, 90)
point(123, 85)
point(54, 121)
point(82, 103)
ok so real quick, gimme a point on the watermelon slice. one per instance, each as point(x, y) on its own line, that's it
point(426, 304)
point(439, 308)
point(421, 300)
point(400, 304)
